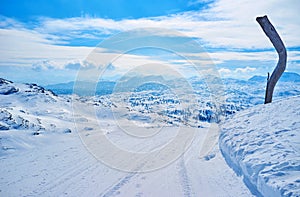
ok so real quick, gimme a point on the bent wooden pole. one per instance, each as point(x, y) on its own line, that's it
point(270, 31)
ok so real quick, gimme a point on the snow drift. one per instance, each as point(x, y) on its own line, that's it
point(263, 145)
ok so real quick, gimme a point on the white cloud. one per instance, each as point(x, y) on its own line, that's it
point(227, 24)
point(83, 64)
point(240, 72)
point(44, 65)
point(24, 48)
point(240, 21)
point(244, 70)
point(224, 71)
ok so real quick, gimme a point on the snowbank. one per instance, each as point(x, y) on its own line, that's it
point(263, 145)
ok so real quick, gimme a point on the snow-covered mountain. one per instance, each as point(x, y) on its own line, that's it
point(286, 77)
point(156, 103)
point(107, 87)
point(23, 106)
point(102, 88)
point(156, 98)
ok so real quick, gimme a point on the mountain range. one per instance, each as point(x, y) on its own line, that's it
point(107, 87)
point(286, 77)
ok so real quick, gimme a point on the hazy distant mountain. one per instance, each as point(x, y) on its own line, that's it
point(286, 77)
point(133, 83)
point(257, 78)
point(157, 82)
point(83, 88)
point(106, 87)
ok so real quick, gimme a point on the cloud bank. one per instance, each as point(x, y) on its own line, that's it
point(226, 29)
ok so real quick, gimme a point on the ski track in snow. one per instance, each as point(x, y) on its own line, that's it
point(184, 179)
point(66, 177)
point(114, 190)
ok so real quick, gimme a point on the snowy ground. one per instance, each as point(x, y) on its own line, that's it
point(263, 145)
point(42, 154)
point(62, 166)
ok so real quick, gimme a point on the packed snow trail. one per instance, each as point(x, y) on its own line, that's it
point(63, 166)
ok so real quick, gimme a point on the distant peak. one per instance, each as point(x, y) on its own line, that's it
point(286, 77)
point(4, 81)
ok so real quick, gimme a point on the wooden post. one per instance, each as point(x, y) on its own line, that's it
point(271, 33)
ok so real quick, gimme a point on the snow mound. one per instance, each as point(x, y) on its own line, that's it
point(29, 110)
point(263, 145)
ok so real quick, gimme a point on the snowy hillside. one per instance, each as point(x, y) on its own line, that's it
point(263, 145)
point(41, 153)
point(31, 107)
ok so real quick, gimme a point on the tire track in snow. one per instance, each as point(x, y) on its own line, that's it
point(184, 179)
point(65, 177)
point(116, 187)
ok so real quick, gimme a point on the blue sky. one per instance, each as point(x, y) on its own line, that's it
point(47, 41)
point(115, 9)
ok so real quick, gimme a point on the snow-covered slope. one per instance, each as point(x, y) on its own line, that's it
point(263, 145)
point(23, 106)
point(40, 157)
point(41, 153)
